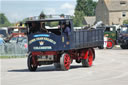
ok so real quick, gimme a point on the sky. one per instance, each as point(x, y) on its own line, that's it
point(16, 10)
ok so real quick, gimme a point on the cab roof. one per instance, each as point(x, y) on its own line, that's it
point(47, 20)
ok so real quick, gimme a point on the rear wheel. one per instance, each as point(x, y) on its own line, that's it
point(93, 54)
point(88, 58)
point(65, 61)
point(30, 63)
point(110, 44)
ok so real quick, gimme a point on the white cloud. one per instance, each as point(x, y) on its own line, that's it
point(71, 12)
point(50, 11)
point(67, 6)
point(14, 17)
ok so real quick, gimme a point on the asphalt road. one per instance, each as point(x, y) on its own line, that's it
point(109, 68)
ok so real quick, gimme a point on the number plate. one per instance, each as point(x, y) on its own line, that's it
point(46, 58)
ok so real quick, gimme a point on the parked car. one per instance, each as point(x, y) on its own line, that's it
point(4, 32)
point(17, 39)
point(24, 43)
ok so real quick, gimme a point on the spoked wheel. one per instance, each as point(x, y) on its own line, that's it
point(88, 58)
point(65, 61)
point(30, 63)
point(110, 44)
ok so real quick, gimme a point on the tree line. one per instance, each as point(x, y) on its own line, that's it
point(4, 22)
point(84, 8)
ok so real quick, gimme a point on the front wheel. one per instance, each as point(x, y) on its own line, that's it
point(30, 63)
point(65, 61)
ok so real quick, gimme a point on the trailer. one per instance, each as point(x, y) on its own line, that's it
point(48, 43)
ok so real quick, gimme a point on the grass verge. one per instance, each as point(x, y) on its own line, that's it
point(4, 57)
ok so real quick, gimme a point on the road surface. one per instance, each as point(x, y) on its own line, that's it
point(109, 68)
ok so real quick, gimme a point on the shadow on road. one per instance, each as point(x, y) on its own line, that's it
point(46, 69)
point(114, 48)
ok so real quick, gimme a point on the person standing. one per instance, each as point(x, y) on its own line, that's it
point(1, 40)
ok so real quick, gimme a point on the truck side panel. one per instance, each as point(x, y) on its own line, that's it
point(87, 38)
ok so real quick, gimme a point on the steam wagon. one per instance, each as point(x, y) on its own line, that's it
point(56, 41)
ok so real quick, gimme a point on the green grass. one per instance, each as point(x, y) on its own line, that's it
point(4, 57)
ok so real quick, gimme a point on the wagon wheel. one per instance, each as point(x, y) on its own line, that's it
point(65, 61)
point(88, 58)
point(110, 44)
point(30, 63)
point(71, 60)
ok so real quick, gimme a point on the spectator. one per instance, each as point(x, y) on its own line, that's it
point(1, 40)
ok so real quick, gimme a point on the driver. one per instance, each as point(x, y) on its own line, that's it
point(66, 28)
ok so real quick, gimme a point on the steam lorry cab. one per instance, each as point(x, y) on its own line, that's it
point(55, 41)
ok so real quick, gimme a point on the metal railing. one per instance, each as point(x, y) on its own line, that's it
point(12, 49)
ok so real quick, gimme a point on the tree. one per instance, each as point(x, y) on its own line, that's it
point(3, 20)
point(90, 8)
point(84, 8)
point(78, 18)
point(24, 20)
point(87, 6)
point(62, 15)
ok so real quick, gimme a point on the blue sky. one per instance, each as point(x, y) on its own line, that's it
point(17, 10)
